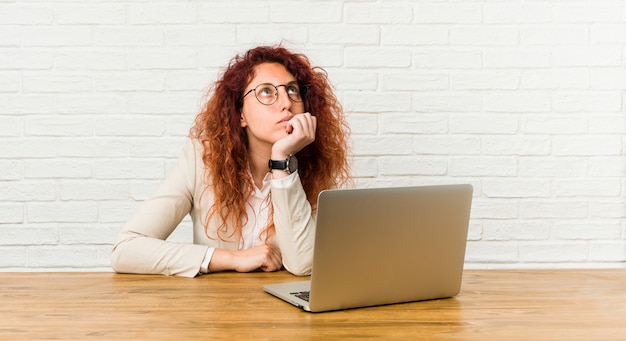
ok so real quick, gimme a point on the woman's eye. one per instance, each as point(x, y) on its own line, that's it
point(265, 92)
point(292, 90)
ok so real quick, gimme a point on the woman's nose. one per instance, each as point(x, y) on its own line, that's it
point(283, 99)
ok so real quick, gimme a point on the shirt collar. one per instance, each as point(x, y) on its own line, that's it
point(264, 191)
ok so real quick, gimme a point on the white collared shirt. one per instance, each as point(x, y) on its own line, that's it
point(257, 210)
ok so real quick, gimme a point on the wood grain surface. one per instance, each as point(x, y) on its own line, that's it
point(493, 305)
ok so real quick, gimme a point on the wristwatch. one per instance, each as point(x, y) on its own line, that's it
point(289, 165)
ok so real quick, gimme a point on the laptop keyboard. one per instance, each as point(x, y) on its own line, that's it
point(303, 295)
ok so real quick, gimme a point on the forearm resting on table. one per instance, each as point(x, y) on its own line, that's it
point(263, 257)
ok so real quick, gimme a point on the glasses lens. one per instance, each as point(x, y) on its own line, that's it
point(266, 93)
point(294, 92)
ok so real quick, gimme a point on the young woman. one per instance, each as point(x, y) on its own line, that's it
point(270, 138)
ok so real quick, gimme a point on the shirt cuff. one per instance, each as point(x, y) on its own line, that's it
point(286, 181)
point(204, 267)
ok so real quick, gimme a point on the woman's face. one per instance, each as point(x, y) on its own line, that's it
point(266, 124)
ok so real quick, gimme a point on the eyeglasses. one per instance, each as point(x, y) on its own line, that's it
point(267, 94)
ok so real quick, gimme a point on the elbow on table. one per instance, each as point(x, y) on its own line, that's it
point(117, 259)
point(298, 263)
point(116, 264)
point(298, 269)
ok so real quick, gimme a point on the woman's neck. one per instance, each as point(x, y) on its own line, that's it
point(258, 165)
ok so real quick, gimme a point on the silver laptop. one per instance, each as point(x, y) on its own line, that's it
point(384, 245)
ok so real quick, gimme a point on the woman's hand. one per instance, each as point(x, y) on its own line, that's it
point(263, 257)
point(301, 132)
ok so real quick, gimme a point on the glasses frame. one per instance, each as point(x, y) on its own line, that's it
point(301, 91)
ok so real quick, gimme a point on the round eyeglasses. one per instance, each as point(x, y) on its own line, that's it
point(267, 94)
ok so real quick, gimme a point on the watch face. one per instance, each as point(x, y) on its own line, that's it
point(293, 163)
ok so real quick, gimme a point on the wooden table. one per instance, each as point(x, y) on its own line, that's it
point(493, 305)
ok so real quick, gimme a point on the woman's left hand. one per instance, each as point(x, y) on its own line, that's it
point(301, 132)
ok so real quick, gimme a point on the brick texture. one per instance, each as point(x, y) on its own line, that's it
point(524, 100)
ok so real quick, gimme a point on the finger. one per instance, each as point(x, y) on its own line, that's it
point(306, 124)
point(293, 126)
point(289, 127)
point(310, 123)
point(275, 258)
point(271, 265)
point(273, 253)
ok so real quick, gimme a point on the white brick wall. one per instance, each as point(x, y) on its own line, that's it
point(524, 100)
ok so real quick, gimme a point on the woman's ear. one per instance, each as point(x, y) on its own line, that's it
point(243, 121)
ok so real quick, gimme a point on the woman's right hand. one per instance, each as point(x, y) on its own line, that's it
point(263, 257)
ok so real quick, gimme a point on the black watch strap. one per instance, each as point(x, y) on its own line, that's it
point(278, 164)
point(289, 165)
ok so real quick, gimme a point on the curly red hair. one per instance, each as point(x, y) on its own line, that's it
point(322, 164)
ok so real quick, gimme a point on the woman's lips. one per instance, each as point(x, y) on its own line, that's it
point(286, 119)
